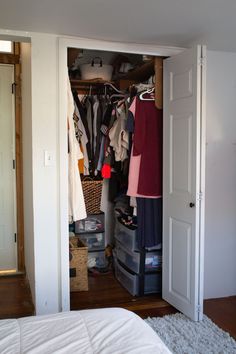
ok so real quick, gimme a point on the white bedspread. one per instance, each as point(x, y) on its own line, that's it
point(101, 331)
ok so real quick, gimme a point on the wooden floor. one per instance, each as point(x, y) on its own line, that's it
point(223, 313)
point(15, 297)
point(105, 291)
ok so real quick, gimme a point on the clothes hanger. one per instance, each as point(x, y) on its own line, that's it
point(112, 86)
point(118, 95)
point(147, 92)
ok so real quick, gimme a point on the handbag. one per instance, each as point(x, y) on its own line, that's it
point(95, 70)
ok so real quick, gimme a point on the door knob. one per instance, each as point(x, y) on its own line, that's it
point(191, 205)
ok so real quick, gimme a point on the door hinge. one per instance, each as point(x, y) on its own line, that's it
point(202, 61)
point(14, 164)
point(15, 236)
point(198, 308)
point(200, 196)
point(13, 88)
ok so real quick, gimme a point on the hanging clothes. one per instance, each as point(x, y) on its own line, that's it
point(83, 116)
point(149, 217)
point(119, 137)
point(95, 115)
point(147, 143)
point(99, 136)
point(77, 210)
point(135, 160)
point(83, 140)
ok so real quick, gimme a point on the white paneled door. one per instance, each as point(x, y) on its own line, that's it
point(183, 176)
point(7, 172)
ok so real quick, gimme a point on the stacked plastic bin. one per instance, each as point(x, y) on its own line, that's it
point(138, 270)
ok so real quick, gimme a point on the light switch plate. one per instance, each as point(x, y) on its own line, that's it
point(48, 158)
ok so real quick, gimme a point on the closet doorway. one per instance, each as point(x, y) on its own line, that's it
point(11, 206)
point(183, 240)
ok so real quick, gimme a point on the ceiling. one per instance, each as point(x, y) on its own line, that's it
point(164, 22)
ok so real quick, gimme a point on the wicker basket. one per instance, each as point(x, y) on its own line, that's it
point(92, 190)
point(78, 265)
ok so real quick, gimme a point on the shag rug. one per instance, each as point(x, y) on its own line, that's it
point(183, 336)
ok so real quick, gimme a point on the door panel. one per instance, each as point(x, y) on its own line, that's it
point(180, 241)
point(182, 181)
point(7, 174)
point(180, 146)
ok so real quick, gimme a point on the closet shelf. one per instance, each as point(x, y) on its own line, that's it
point(140, 73)
point(76, 83)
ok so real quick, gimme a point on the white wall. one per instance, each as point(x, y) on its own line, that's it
point(220, 236)
point(27, 165)
point(45, 179)
point(41, 184)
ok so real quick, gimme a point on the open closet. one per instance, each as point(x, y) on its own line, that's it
point(127, 158)
point(118, 126)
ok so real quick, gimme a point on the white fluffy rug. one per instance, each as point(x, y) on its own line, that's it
point(183, 336)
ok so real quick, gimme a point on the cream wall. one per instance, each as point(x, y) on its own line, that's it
point(220, 229)
point(41, 186)
point(45, 179)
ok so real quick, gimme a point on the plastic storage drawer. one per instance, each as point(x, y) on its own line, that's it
point(95, 242)
point(97, 259)
point(93, 223)
point(131, 259)
point(126, 236)
point(152, 282)
point(129, 281)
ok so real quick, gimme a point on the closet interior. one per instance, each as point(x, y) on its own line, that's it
point(115, 177)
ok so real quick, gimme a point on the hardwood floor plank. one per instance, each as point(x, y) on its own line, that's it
point(222, 311)
point(15, 297)
point(106, 291)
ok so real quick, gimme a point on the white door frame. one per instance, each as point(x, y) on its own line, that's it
point(64, 44)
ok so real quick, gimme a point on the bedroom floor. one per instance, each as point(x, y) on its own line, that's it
point(15, 297)
point(106, 291)
point(15, 301)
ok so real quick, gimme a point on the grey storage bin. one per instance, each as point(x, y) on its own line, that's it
point(126, 236)
point(97, 259)
point(128, 280)
point(94, 241)
point(93, 223)
point(130, 259)
point(152, 283)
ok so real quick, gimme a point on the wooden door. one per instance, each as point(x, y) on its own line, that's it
point(183, 176)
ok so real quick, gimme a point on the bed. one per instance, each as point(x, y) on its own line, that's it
point(100, 331)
